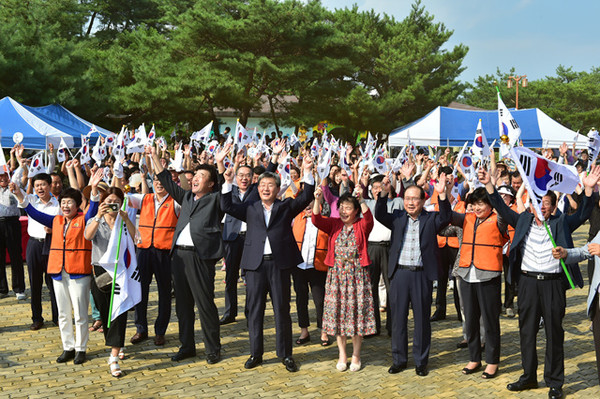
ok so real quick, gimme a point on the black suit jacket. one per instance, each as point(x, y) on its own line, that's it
point(561, 225)
point(203, 215)
point(430, 223)
point(283, 244)
point(231, 225)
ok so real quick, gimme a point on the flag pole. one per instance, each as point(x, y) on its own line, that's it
point(112, 290)
point(562, 262)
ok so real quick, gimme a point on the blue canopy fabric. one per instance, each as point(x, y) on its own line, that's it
point(42, 125)
point(453, 127)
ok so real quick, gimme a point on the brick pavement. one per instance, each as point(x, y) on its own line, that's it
point(28, 367)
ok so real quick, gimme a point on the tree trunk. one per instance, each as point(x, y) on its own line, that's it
point(273, 116)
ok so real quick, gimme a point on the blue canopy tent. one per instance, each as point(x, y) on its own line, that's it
point(41, 126)
point(452, 127)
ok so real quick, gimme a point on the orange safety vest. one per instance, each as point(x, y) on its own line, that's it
point(460, 208)
point(298, 228)
point(482, 244)
point(69, 251)
point(157, 229)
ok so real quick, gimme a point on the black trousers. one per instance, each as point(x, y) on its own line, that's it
point(379, 255)
point(483, 300)
point(154, 262)
point(410, 289)
point(233, 257)
point(194, 280)
point(509, 289)
point(596, 328)
point(269, 278)
point(448, 258)
point(303, 279)
point(10, 239)
point(547, 299)
point(37, 263)
point(115, 335)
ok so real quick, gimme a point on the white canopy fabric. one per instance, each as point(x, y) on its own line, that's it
point(452, 127)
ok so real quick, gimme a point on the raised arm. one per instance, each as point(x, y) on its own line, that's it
point(510, 217)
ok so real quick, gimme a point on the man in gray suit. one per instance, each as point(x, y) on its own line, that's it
point(197, 246)
point(575, 255)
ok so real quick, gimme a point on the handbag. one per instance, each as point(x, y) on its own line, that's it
point(103, 280)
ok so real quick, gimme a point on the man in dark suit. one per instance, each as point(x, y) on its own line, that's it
point(270, 254)
point(197, 246)
point(234, 230)
point(414, 263)
point(542, 282)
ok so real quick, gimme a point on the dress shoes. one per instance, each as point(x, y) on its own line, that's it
point(159, 340)
point(79, 357)
point(290, 364)
point(522, 385)
point(66, 356)
point(396, 368)
point(36, 325)
point(213, 358)
point(438, 316)
point(252, 362)
point(462, 344)
point(555, 393)
point(226, 320)
point(421, 371)
point(302, 341)
point(182, 355)
point(139, 337)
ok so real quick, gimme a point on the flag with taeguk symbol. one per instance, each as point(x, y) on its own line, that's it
point(37, 164)
point(465, 161)
point(540, 175)
point(61, 153)
point(480, 148)
point(121, 251)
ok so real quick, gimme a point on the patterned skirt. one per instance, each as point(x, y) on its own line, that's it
point(348, 309)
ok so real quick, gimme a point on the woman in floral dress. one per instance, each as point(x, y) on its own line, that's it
point(348, 310)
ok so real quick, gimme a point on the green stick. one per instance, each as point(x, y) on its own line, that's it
point(112, 291)
point(562, 262)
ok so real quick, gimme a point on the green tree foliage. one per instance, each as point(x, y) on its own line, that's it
point(168, 61)
point(572, 98)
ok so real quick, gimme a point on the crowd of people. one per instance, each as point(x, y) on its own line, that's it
point(362, 242)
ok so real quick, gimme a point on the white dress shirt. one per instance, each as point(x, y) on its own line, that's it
point(309, 245)
point(537, 255)
point(52, 207)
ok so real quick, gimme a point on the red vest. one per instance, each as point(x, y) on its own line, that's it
point(69, 251)
point(157, 229)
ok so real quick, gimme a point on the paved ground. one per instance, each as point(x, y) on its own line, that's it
point(28, 367)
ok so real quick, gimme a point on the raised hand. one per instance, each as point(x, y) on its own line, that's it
point(96, 177)
point(440, 186)
point(228, 175)
point(307, 164)
point(592, 178)
point(277, 148)
point(319, 194)
point(563, 149)
point(222, 153)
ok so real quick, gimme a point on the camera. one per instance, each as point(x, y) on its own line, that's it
point(113, 207)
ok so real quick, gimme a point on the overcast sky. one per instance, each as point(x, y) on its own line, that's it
point(534, 36)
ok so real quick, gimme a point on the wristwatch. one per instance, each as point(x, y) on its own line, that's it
point(96, 219)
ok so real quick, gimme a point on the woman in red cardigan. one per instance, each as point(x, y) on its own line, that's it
point(348, 310)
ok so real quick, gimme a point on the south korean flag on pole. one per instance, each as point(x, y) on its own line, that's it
point(121, 251)
point(593, 147)
point(61, 153)
point(541, 175)
point(37, 164)
point(480, 148)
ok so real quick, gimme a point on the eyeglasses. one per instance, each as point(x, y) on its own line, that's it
point(243, 175)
